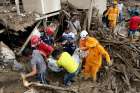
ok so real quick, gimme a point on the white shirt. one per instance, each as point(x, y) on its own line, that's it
point(120, 6)
point(52, 65)
point(69, 35)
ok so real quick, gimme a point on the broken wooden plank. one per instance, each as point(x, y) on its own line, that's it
point(36, 84)
point(136, 73)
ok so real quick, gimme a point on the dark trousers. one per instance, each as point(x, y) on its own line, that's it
point(42, 78)
point(70, 49)
point(68, 77)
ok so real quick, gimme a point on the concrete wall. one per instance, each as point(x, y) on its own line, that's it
point(85, 4)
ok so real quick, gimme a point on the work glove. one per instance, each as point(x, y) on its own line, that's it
point(110, 63)
point(78, 49)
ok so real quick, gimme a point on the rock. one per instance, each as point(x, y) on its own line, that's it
point(8, 58)
point(6, 53)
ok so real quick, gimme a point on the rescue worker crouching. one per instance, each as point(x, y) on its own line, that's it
point(93, 59)
point(65, 60)
point(38, 65)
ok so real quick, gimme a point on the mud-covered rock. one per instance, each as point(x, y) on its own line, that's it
point(8, 58)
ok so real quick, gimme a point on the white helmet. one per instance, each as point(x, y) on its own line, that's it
point(83, 34)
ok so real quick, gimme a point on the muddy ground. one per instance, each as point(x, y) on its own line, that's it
point(11, 83)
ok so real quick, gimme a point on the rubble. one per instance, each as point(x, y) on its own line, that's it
point(125, 69)
point(14, 21)
point(8, 58)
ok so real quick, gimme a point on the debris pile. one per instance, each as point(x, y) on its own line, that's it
point(14, 21)
point(125, 71)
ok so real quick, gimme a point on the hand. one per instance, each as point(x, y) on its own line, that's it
point(84, 48)
point(78, 49)
point(106, 67)
point(25, 82)
point(64, 42)
point(23, 76)
point(110, 63)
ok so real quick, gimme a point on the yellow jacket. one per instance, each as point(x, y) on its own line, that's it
point(67, 62)
point(95, 52)
point(112, 13)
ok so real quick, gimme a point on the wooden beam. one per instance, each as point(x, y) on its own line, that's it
point(47, 15)
point(17, 6)
point(85, 22)
point(90, 13)
point(35, 84)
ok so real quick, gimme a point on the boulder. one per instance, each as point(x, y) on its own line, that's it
point(8, 58)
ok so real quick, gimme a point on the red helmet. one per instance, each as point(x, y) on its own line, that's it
point(49, 31)
point(34, 40)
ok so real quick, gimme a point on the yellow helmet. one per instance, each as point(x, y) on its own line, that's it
point(115, 2)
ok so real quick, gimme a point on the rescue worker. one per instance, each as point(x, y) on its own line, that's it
point(69, 39)
point(113, 14)
point(133, 10)
point(40, 52)
point(47, 37)
point(93, 59)
point(65, 60)
point(37, 43)
point(115, 1)
point(105, 18)
point(74, 23)
point(134, 24)
point(120, 6)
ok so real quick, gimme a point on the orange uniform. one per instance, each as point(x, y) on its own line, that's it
point(113, 14)
point(94, 57)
